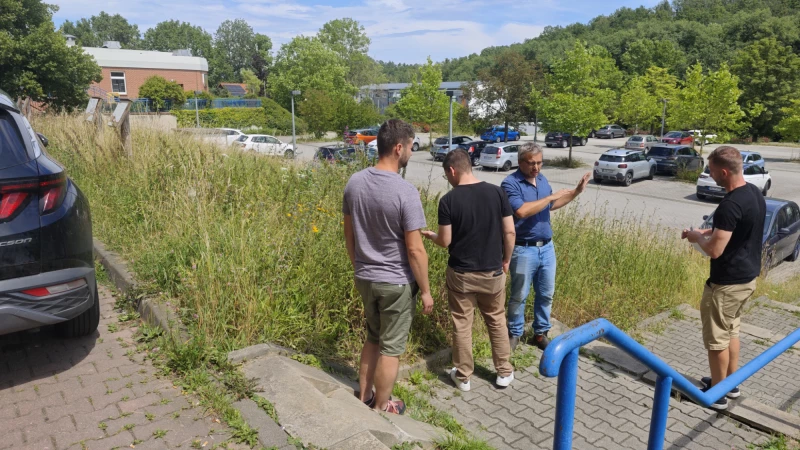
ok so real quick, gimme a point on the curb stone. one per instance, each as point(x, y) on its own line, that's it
point(159, 315)
point(151, 311)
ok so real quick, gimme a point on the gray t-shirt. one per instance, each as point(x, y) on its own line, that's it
point(383, 207)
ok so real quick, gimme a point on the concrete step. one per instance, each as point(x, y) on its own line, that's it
point(779, 318)
point(321, 410)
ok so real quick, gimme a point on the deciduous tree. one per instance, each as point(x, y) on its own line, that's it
point(92, 32)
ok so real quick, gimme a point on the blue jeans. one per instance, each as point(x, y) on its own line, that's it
point(531, 266)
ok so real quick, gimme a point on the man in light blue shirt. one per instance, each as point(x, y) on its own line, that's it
point(533, 261)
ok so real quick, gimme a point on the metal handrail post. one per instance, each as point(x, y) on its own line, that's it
point(565, 401)
point(658, 420)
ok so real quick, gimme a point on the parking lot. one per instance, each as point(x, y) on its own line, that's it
point(664, 201)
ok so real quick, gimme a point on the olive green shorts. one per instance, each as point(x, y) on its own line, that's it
point(389, 309)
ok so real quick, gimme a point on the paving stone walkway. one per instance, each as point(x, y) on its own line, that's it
point(90, 393)
point(680, 345)
point(612, 412)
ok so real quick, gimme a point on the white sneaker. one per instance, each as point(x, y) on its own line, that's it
point(505, 381)
point(463, 386)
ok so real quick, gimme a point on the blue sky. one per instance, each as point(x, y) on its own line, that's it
point(401, 30)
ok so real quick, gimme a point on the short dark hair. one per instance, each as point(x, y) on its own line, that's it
point(727, 157)
point(458, 159)
point(391, 133)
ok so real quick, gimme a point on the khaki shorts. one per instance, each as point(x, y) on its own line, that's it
point(389, 309)
point(721, 311)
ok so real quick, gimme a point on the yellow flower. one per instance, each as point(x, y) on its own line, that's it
point(314, 229)
point(289, 215)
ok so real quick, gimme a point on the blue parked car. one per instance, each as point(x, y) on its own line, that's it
point(497, 133)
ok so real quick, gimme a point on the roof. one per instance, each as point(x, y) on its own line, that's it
point(144, 59)
point(401, 86)
point(621, 152)
point(6, 101)
point(775, 203)
point(239, 89)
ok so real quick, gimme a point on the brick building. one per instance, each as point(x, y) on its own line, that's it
point(124, 71)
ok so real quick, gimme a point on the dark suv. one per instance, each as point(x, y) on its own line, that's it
point(46, 266)
point(559, 139)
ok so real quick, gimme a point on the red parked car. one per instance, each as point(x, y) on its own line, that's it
point(677, 137)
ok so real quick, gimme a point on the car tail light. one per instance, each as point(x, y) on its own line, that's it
point(641, 145)
point(623, 166)
point(55, 289)
point(597, 163)
point(471, 149)
point(14, 195)
point(499, 152)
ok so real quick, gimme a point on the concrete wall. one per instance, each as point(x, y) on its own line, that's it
point(165, 122)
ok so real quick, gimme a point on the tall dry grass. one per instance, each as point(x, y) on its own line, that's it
point(252, 248)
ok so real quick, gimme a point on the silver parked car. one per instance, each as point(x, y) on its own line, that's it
point(441, 147)
point(501, 156)
point(610, 131)
point(623, 166)
point(641, 142)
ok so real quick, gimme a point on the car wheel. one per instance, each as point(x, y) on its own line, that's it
point(415, 147)
point(583, 142)
point(507, 166)
point(652, 173)
point(548, 145)
point(796, 253)
point(700, 196)
point(598, 180)
point(628, 179)
point(83, 325)
point(766, 188)
point(289, 154)
point(592, 135)
point(564, 144)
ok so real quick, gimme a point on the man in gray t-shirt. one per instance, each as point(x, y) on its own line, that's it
point(383, 217)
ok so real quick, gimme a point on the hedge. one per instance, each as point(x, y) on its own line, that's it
point(270, 116)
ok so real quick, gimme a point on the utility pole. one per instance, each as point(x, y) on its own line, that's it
point(294, 136)
point(196, 111)
point(450, 98)
point(663, 116)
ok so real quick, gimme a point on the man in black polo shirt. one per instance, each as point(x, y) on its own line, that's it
point(476, 224)
point(734, 245)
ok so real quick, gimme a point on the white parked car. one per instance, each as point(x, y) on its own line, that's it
point(231, 135)
point(266, 144)
point(709, 138)
point(414, 146)
point(502, 156)
point(757, 175)
point(623, 166)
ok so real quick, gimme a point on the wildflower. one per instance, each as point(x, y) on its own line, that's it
point(314, 229)
point(289, 215)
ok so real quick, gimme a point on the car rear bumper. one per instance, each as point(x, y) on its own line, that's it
point(613, 176)
point(20, 311)
point(710, 191)
point(498, 164)
point(665, 167)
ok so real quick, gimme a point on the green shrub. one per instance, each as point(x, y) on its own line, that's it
point(159, 90)
point(270, 116)
point(253, 251)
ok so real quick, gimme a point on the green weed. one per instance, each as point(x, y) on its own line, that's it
point(266, 406)
point(523, 359)
point(688, 175)
point(565, 162)
point(190, 219)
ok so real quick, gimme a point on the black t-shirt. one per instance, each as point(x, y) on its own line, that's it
point(476, 213)
point(742, 212)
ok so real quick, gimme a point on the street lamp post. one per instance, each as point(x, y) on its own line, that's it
point(196, 111)
point(663, 116)
point(294, 136)
point(450, 98)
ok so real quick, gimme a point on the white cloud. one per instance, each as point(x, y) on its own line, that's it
point(401, 30)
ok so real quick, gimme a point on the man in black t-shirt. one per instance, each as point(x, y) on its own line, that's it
point(734, 245)
point(476, 225)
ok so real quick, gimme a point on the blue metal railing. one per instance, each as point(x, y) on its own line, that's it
point(560, 359)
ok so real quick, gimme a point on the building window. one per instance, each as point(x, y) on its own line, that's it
point(118, 82)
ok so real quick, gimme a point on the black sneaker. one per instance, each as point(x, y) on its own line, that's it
point(733, 393)
point(541, 340)
point(720, 404)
